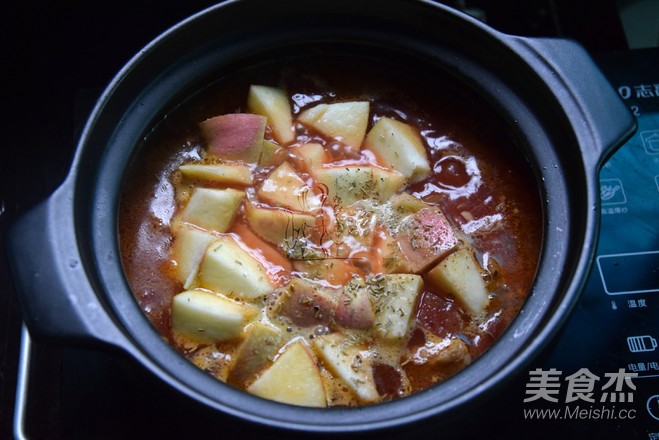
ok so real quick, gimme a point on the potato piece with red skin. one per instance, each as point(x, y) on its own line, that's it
point(260, 344)
point(421, 240)
point(235, 136)
point(306, 303)
point(355, 309)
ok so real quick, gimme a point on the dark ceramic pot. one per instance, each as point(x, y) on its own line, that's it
point(65, 255)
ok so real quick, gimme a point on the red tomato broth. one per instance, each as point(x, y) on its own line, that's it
point(472, 180)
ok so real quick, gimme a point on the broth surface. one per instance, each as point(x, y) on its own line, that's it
point(479, 181)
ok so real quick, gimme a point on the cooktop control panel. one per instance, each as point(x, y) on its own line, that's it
point(602, 375)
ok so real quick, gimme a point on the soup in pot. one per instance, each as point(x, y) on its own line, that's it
point(335, 233)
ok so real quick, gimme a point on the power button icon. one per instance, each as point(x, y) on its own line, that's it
point(653, 406)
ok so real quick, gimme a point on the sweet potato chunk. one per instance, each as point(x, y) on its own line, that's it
point(307, 303)
point(423, 239)
point(355, 309)
point(260, 344)
point(235, 136)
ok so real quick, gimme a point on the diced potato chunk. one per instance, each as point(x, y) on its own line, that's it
point(307, 303)
point(272, 102)
point(256, 352)
point(349, 363)
point(387, 182)
point(213, 209)
point(230, 269)
point(343, 121)
point(398, 146)
point(308, 156)
point(424, 238)
point(235, 136)
point(405, 203)
point(335, 271)
point(271, 154)
point(271, 257)
point(293, 378)
point(354, 231)
point(395, 296)
point(460, 275)
point(234, 173)
point(279, 225)
point(285, 188)
point(349, 184)
point(355, 309)
point(188, 249)
point(209, 317)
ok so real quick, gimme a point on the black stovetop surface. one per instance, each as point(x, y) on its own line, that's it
point(56, 61)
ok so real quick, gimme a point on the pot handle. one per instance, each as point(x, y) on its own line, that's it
point(57, 301)
point(584, 92)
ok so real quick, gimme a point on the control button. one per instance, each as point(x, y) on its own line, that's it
point(653, 406)
point(635, 272)
point(650, 139)
point(612, 192)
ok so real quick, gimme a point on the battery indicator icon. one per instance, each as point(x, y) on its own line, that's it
point(639, 344)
